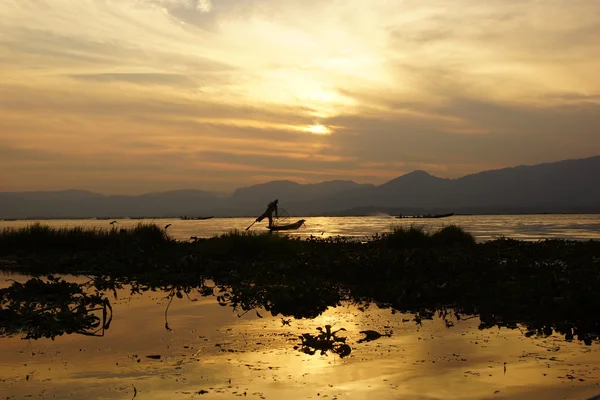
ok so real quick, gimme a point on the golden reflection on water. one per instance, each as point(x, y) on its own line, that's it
point(211, 349)
point(483, 227)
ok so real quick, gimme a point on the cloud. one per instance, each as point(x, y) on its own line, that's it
point(510, 134)
point(139, 78)
point(204, 6)
point(136, 90)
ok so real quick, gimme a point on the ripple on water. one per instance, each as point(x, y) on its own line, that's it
point(483, 227)
point(211, 349)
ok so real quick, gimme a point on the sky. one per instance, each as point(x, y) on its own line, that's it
point(135, 96)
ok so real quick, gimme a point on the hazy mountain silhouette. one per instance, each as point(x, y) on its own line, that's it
point(288, 192)
point(564, 186)
point(61, 205)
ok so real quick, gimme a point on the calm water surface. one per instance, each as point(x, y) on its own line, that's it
point(484, 227)
point(211, 349)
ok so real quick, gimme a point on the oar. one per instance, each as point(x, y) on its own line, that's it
point(251, 225)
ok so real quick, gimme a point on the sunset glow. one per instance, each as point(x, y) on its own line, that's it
point(146, 95)
point(318, 129)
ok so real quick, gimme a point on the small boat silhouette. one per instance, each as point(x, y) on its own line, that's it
point(288, 227)
point(426, 216)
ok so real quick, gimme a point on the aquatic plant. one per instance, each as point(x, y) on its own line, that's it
point(401, 236)
point(452, 235)
point(43, 238)
point(416, 236)
point(247, 243)
point(538, 287)
point(326, 340)
point(51, 308)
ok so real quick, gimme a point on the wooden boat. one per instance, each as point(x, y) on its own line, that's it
point(206, 217)
point(288, 227)
point(199, 218)
point(426, 216)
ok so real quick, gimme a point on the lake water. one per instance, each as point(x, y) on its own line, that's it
point(211, 353)
point(484, 227)
point(210, 350)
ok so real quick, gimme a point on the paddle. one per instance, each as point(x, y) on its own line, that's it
point(251, 225)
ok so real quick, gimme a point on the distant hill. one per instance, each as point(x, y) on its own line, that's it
point(290, 192)
point(77, 204)
point(564, 186)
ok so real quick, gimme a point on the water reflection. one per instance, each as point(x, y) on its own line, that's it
point(211, 349)
point(51, 307)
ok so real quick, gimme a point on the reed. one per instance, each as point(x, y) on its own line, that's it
point(417, 236)
point(248, 244)
point(540, 286)
point(40, 238)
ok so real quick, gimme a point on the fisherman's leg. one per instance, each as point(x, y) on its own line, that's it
point(263, 215)
point(270, 220)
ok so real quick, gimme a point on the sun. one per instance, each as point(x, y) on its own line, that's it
point(317, 130)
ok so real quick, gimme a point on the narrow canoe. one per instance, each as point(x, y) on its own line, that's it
point(288, 227)
point(426, 216)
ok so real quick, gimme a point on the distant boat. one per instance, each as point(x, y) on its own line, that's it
point(426, 216)
point(10, 219)
point(288, 227)
point(199, 218)
point(206, 217)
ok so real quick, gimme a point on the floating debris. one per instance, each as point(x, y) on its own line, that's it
point(325, 341)
point(371, 335)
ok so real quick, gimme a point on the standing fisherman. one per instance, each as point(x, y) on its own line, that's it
point(272, 207)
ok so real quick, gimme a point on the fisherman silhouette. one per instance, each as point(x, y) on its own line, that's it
point(271, 208)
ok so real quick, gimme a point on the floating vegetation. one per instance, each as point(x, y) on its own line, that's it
point(325, 341)
point(48, 309)
point(371, 335)
point(416, 236)
point(538, 287)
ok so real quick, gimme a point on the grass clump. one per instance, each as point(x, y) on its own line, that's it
point(416, 236)
point(452, 235)
point(413, 236)
point(247, 244)
point(38, 237)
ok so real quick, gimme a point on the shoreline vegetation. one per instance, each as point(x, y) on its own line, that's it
point(541, 288)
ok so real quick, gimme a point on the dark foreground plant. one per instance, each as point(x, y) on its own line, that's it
point(538, 287)
point(326, 341)
point(40, 238)
point(51, 308)
point(416, 236)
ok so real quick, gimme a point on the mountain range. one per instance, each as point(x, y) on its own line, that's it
point(570, 186)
